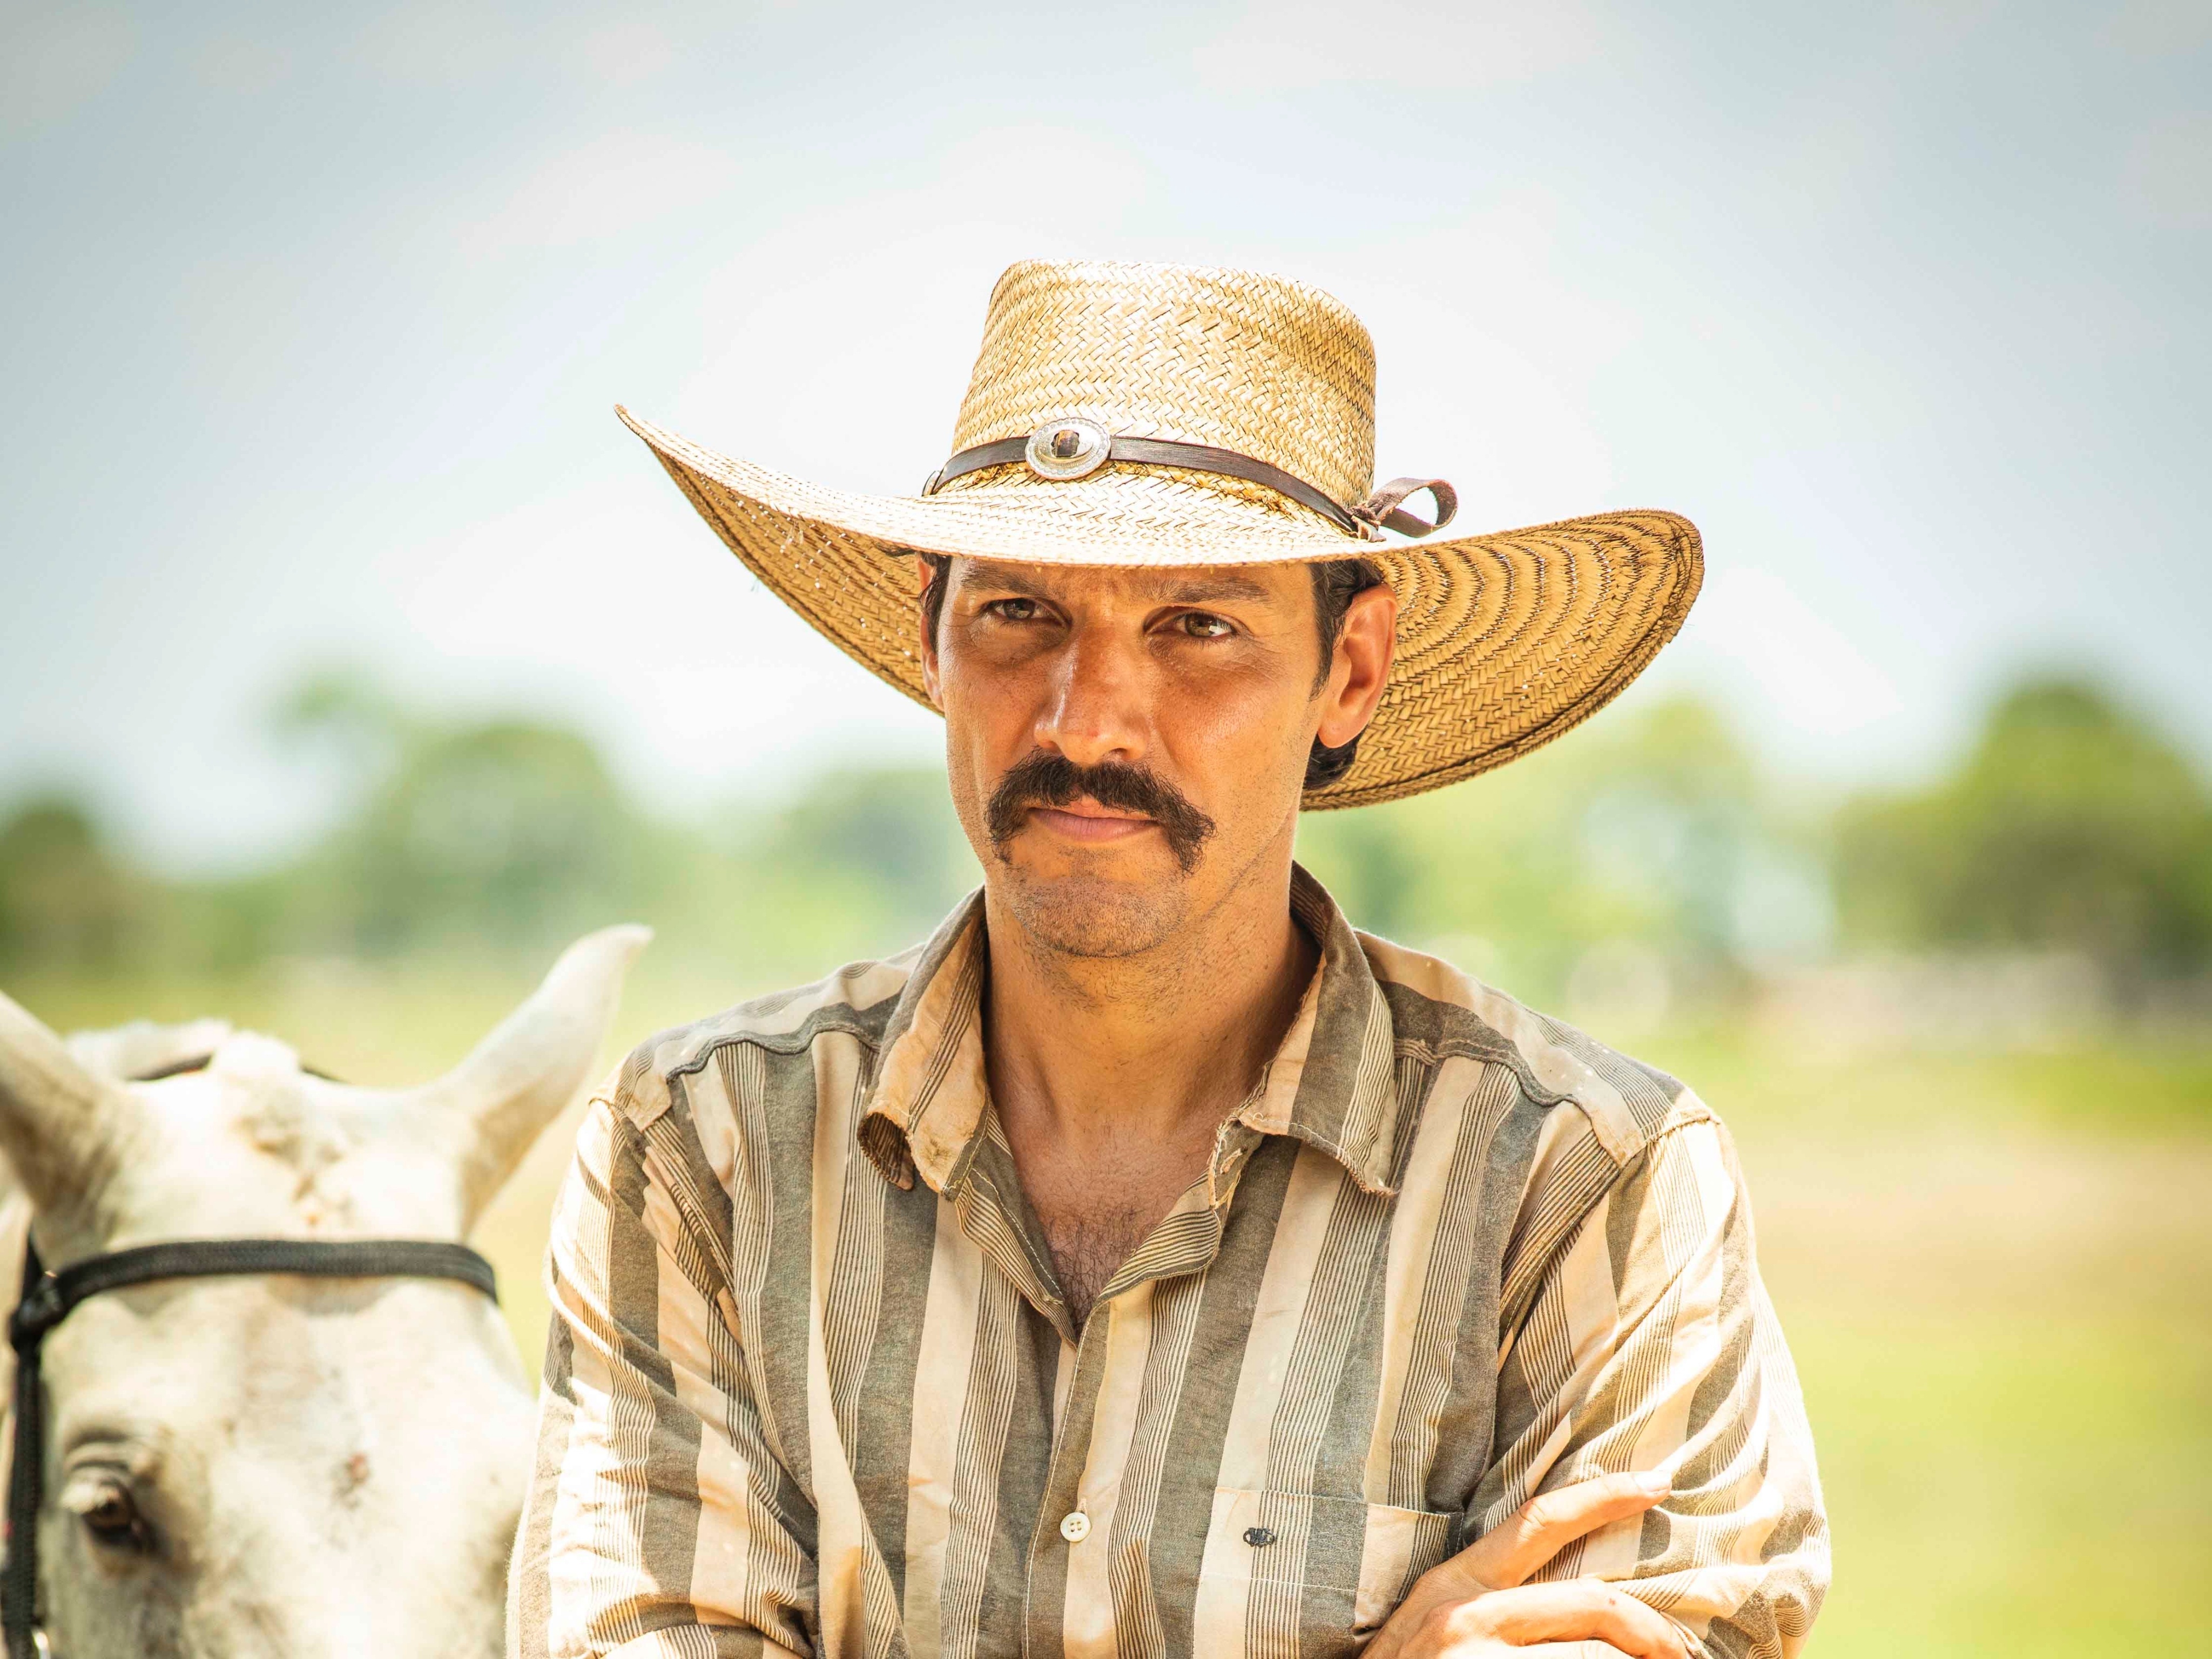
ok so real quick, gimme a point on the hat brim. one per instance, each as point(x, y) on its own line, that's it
point(1504, 640)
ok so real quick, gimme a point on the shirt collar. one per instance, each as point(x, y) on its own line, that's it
point(1329, 1084)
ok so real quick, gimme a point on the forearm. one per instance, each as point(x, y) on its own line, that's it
point(1653, 1346)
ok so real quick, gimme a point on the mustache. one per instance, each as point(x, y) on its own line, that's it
point(1043, 780)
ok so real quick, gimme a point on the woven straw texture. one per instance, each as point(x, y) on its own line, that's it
point(1504, 640)
point(1261, 365)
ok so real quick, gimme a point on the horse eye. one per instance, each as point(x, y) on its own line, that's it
point(114, 1521)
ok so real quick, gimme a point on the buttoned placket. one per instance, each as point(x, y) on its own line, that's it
point(1064, 1519)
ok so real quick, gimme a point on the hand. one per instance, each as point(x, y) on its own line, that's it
point(1478, 1605)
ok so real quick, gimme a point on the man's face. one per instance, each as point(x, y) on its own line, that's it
point(1127, 747)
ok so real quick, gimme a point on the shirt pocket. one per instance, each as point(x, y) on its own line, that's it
point(1347, 1562)
point(1398, 1547)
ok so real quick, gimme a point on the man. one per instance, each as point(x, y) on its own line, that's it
point(1149, 1264)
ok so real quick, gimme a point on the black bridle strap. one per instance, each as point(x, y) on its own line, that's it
point(48, 1298)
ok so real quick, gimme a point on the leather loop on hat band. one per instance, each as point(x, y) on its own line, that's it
point(1380, 511)
point(1382, 506)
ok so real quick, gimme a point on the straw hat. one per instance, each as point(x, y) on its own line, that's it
point(1162, 415)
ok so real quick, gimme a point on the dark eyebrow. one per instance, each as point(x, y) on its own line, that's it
point(1212, 588)
point(1203, 589)
point(999, 576)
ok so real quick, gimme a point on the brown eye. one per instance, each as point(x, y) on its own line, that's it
point(1200, 626)
point(114, 1521)
point(1013, 610)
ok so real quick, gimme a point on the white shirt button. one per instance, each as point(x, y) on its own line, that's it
point(1075, 1526)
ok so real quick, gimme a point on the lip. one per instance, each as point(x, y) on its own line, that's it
point(1084, 823)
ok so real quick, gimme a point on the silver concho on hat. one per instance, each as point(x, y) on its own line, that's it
point(1066, 449)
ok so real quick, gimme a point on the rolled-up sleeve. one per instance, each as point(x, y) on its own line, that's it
point(1651, 1343)
point(658, 1518)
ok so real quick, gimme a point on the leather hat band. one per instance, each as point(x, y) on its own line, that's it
point(1082, 449)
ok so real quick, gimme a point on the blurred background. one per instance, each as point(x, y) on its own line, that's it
point(356, 658)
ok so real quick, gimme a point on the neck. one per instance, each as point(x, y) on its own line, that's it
point(1163, 1043)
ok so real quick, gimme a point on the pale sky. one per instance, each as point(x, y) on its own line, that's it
point(313, 320)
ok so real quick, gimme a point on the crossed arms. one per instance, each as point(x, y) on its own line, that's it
point(660, 1521)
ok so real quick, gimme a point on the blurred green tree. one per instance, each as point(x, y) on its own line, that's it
point(512, 835)
point(881, 845)
point(65, 902)
point(510, 832)
point(2072, 823)
point(502, 834)
point(1649, 826)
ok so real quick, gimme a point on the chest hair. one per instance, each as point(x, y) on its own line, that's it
point(1090, 1245)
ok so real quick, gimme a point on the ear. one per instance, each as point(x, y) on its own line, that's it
point(1364, 651)
point(496, 1104)
point(64, 1127)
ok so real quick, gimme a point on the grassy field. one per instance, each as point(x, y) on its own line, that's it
point(1995, 1272)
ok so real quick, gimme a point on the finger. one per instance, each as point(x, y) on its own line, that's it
point(1530, 1536)
point(1580, 1610)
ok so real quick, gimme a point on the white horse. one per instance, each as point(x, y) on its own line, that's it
point(280, 1465)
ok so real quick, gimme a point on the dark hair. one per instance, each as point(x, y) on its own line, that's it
point(1336, 583)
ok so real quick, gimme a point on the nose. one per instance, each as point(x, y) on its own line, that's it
point(1099, 706)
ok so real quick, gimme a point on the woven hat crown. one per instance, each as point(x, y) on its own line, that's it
point(1263, 366)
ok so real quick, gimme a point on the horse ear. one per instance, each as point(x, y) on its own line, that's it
point(497, 1102)
point(64, 1127)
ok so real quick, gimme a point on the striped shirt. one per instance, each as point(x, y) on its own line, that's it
point(811, 1388)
